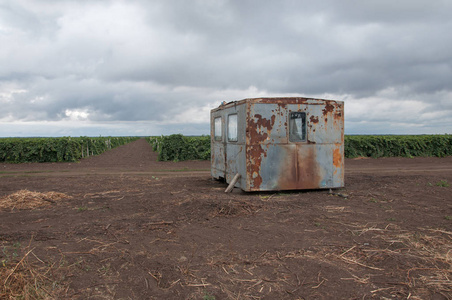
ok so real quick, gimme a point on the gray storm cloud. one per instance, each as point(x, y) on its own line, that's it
point(97, 62)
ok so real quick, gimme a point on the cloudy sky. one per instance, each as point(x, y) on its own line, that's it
point(151, 67)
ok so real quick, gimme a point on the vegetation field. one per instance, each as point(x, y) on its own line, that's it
point(177, 147)
point(21, 150)
point(397, 145)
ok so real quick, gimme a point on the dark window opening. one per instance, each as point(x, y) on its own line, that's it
point(297, 126)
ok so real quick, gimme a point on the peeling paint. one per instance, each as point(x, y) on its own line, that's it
point(329, 107)
point(314, 120)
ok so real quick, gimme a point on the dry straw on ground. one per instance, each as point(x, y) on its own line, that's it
point(25, 199)
point(26, 279)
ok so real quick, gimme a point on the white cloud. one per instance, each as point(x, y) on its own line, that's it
point(77, 114)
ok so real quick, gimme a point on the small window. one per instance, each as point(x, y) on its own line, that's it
point(297, 127)
point(232, 128)
point(217, 129)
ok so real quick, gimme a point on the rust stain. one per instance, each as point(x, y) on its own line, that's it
point(309, 176)
point(314, 119)
point(255, 130)
point(337, 158)
point(283, 101)
point(264, 122)
point(300, 170)
point(328, 108)
point(255, 152)
point(288, 171)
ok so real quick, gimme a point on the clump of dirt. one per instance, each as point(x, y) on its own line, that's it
point(25, 199)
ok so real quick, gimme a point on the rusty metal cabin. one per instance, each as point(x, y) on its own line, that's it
point(279, 143)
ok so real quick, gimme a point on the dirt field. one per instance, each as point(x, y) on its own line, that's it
point(135, 228)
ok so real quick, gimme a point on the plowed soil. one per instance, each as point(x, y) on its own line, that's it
point(135, 228)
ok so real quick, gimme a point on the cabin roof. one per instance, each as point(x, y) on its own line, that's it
point(274, 100)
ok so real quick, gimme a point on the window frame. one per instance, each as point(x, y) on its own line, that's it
point(295, 137)
point(215, 131)
point(231, 139)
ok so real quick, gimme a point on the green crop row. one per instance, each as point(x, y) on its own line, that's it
point(177, 147)
point(397, 145)
point(20, 150)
